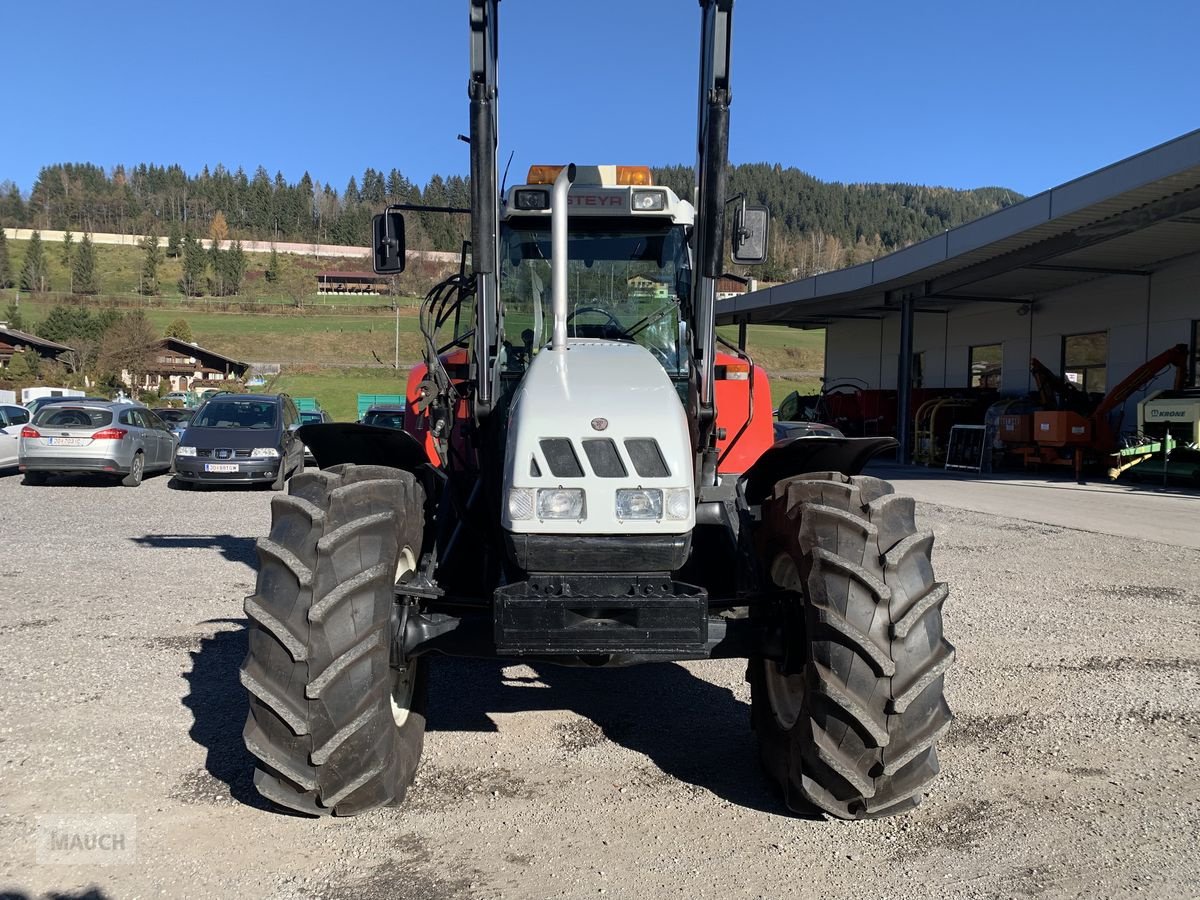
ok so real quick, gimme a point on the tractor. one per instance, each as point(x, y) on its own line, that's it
point(588, 476)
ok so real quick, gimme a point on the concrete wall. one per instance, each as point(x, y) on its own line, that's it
point(1142, 315)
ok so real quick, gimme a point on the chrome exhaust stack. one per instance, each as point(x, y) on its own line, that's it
point(558, 256)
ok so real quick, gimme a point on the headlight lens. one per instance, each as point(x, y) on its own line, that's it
point(533, 199)
point(520, 504)
point(679, 503)
point(560, 503)
point(639, 503)
point(649, 201)
point(185, 451)
point(264, 453)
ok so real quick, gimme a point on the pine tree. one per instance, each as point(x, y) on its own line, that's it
point(6, 279)
point(194, 263)
point(13, 317)
point(175, 240)
point(150, 265)
point(217, 262)
point(68, 246)
point(34, 272)
point(272, 273)
point(22, 366)
point(219, 229)
point(83, 268)
point(235, 268)
point(179, 329)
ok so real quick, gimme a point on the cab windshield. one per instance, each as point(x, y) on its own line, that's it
point(622, 285)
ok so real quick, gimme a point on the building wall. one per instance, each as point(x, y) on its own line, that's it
point(1143, 316)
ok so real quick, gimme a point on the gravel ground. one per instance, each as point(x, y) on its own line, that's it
point(1071, 769)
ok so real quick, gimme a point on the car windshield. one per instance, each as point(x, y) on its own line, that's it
point(309, 417)
point(236, 414)
point(55, 416)
point(621, 285)
point(174, 416)
point(384, 419)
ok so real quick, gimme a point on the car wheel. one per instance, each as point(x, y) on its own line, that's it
point(136, 470)
point(34, 478)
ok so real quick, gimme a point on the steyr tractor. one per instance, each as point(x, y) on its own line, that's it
point(586, 479)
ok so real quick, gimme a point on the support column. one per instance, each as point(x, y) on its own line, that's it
point(742, 334)
point(904, 382)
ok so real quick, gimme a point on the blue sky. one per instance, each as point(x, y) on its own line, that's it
point(1013, 93)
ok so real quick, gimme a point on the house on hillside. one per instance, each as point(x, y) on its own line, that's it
point(186, 366)
point(13, 341)
point(657, 287)
point(734, 286)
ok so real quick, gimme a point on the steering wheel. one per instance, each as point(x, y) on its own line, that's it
point(610, 328)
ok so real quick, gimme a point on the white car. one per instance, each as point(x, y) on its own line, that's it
point(12, 417)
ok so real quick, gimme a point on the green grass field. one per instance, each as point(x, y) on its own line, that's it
point(332, 353)
point(338, 389)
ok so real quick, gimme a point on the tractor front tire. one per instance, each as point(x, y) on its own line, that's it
point(335, 726)
point(848, 722)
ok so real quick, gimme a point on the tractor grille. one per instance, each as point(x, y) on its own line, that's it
point(561, 458)
point(647, 458)
point(604, 459)
point(603, 456)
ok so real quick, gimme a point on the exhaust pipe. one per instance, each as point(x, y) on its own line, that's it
point(558, 256)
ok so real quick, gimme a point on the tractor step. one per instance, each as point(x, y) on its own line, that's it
point(568, 614)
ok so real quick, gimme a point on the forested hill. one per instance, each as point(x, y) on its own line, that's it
point(816, 226)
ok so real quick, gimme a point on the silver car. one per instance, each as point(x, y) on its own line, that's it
point(122, 439)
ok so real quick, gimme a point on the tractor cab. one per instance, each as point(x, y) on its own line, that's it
point(629, 272)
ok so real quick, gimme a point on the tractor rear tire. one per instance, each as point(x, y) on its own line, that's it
point(336, 728)
point(848, 722)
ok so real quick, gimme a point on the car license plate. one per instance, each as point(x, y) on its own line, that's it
point(220, 467)
point(68, 442)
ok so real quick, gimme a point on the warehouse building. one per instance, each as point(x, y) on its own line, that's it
point(1093, 278)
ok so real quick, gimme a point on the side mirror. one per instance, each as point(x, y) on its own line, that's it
point(388, 242)
point(750, 235)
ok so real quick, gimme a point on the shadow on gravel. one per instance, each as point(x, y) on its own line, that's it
point(92, 893)
point(690, 729)
point(90, 480)
point(234, 549)
point(218, 704)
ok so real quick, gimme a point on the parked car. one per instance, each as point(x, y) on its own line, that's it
point(12, 417)
point(313, 417)
point(187, 398)
point(241, 439)
point(36, 404)
point(123, 439)
point(385, 415)
point(176, 419)
point(805, 429)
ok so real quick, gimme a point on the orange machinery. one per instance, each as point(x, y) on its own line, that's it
point(1073, 429)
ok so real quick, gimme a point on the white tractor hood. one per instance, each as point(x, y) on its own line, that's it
point(603, 391)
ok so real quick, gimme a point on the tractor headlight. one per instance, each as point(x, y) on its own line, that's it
point(560, 503)
point(520, 504)
point(185, 451)
point(649, 201)
point(533, 200)
point(639, 503)
point(679, 503)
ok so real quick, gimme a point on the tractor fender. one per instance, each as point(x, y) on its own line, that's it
point(795, 456)
point(334, 443)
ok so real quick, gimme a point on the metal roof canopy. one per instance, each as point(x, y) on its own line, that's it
point(1129, 218)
